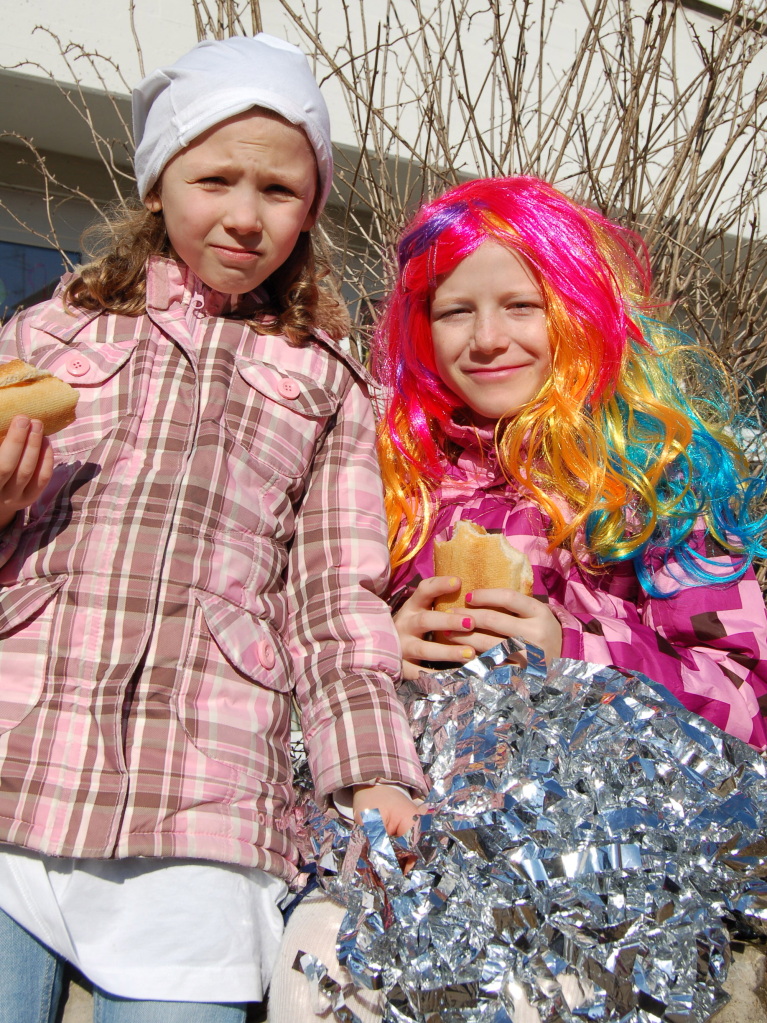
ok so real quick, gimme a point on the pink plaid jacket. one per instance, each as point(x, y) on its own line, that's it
point(706, 644)
point(213, 536)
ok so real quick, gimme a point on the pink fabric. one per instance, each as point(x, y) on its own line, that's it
point(207, 544)
point(707, 644)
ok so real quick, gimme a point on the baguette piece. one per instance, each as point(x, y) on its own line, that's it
point(481, 560)
point(27, 390)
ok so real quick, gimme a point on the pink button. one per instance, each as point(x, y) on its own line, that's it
point(77, 365)
point(289, 388)
point(266, 654)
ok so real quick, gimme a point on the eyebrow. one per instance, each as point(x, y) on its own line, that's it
point(462, 296)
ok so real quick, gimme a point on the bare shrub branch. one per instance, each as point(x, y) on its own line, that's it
point(653, 114)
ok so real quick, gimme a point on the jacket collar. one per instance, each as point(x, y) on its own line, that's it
point(170, 283)
point(476, 462)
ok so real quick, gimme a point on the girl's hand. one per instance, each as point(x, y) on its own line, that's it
point(500, 613)
point(416, 618)
point(397, 810)
point(26, 466)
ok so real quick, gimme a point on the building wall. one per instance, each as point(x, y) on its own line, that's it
point(66, 87)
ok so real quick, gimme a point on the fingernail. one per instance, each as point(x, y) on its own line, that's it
point(467, 653)
point(466, 623)
point(469, 597)
point(37, 426)
point(22, 421)
point(454, 582)
point(446, 634)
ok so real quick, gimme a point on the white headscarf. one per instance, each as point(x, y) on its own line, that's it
point(217, 80)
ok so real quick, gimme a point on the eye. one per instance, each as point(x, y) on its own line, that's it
point(212, 181)
point(280, 188)
point(449, 313)
point(527, 305)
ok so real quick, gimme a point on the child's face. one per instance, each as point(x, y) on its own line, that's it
point(237, 198)
point(488, 325)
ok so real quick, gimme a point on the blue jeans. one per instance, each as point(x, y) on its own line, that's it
point(31, 981)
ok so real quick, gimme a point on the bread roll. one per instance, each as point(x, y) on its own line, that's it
point(26, 390)
point(482, 560)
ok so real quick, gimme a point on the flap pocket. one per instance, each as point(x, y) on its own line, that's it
point(26, 625)
point(293, 391)
point(87, 365)
point(21, 602)
point(249, 643)
point(103, 376)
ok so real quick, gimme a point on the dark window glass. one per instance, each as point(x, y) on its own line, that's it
point(28, 274)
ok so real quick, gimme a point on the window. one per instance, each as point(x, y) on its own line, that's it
point(28, 274)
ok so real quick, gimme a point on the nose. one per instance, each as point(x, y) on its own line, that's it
point(244, 213)
point(490, 333)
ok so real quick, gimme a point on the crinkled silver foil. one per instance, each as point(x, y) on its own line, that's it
point(581, 826)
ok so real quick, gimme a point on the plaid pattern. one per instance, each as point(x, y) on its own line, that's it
point(707, 645)
point(211, 538)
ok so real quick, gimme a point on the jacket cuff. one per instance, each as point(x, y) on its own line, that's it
point(360, 735)
point(572, 634)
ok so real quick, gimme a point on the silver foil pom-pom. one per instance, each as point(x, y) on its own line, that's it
point(586, 851)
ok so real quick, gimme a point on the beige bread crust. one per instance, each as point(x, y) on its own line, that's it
point(482, 561)
point(29, 391)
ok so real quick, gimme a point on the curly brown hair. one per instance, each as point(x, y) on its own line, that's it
point(301, 292)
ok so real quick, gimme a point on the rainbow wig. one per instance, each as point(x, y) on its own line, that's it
point(626, 445)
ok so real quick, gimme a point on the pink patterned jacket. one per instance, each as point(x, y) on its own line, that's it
point(706, 644)
point(213, 536)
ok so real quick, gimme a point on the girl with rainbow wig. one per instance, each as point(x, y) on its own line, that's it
point(529, 390)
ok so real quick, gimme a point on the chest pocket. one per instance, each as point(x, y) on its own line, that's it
point(277, 417)
point(26, 629)
point(102, 376)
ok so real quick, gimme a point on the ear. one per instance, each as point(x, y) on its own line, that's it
point(153, 202)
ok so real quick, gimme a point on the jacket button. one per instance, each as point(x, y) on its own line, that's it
point(77, 365)
point(289, 388)
point(266, 654)
point(261, 818)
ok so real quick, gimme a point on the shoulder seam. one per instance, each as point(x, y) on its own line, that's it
point(347, 358)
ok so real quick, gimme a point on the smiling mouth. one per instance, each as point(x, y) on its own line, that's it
point(492, 370)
